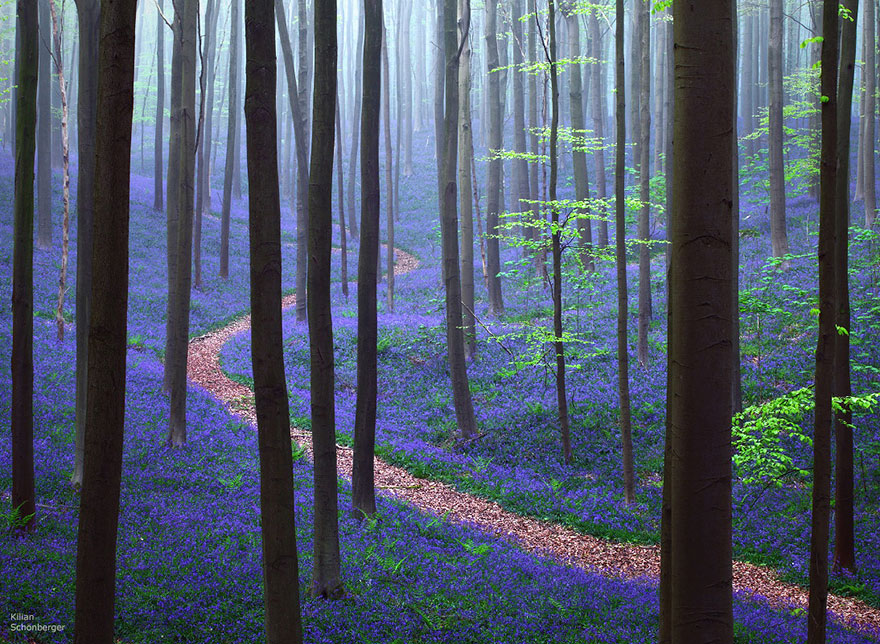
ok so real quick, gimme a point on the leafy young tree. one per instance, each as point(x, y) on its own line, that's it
point(699, 403)
point(22, 365)
point(105, 401)
point(363, 493)
point(280, 561)
point(326, 579)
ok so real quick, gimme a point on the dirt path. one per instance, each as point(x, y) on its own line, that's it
point(610, 559)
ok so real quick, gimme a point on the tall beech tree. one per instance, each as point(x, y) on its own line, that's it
point(232, 129)
point(824, 376)
point(870, 77)
point(183, 139)
point(22, 363)
point(159, 140)
point(701, 359)
point(44, 129)
point(389, 158)
point(778, 232)
point(644, 152)
point(598, 113)
point(461, 393)
point(326, 577)
point(625, 420)
point(302, 123)
point(277, 515)
point(105, 401)
point(844, 538)
point(466, 187)
point(496, 143)
point(88, 19)
point(520, 166)
point(363, 492)
point(355, 132)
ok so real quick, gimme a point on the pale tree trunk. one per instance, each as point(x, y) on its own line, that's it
point(520, 170)
point(326, 578)
point(22, 363)
point(644, 151)
point(870, 68)
point(620, 252)
point(699, 401)
point(389, 178)
point(778, 233)
point(159, 141)
point(44, 131)
point(280, 563)
point(302, 96)
point(598, 101)
point(105, 406)
point(88, 18)
point(355, 131)
point(404, 65)
point(343, 236)
point(533, 231)
point(179, 296)
point(461, 394)
point(496, 143)
point(232, 130)
point(466, 186)
point(824, 376)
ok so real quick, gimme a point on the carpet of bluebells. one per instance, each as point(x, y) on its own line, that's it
point(189, 542)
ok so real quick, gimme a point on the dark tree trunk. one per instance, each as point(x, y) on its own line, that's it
point(232, 130)
point(844, 538)
point(301, 93)
point(105, 402)
point(699, 401)
point(598, 100)
point(620, 252)
point(22, 365)
point(88, 18)
point(326, 579)
point(44, 130)
point(179, 295)
point(644, 151)
point(159, 141)
point(778, 233)
point(363, 492)
point(280, 563)
point(496, 143)
point(824, 377)
point(461, 394)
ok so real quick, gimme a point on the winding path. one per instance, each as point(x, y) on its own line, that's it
point(607, 558)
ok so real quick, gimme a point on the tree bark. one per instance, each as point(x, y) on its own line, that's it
point(620, 252)
point(355, 133)
point(343, 237)
point(105, 401)
point(404, 58)
point(232, 133)
point(496, 143)
point(699, 403)
point(363, 492)
point(824, 377)
point(22, 364)
point(778, 233)
point(644, 151)
point(870, 188)
point(159, 141)
point(520, 171)
point(533, 230)
point(389, 177)
point(465, 154)
point(598, 101)
point(280, 564)
point(44, 131)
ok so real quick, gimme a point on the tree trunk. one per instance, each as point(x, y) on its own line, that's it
point(22, 370)
point(496, 143)
point(280, 563)
point(159, 141)
point(870, 188)
point(105, 401)
point(824, 377)
point(44, 132)
point(778, 234)
point(465, 154)
point(699, 402)
point(533, 230)
point(404, 62)
point(644, 151)
point(389, 178)
point(343, 237)
point(302, 95)
point(232, 130)
point(355, 133)
point(326, 580)
point(363, 492)
point(844, 539)
point(179, 295)
point(579, 156)
point(598, 101)
point(461, 394)
point(520, 170)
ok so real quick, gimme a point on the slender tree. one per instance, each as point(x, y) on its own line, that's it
point(404, 62)
point(620, 241)
point(159, 141)
point(180, 251)
point(870, 76)
point(844, 537)
point(496, 143)
point(824, 377)
point(355, 132)
point(280, 562)
point(533, 231)
point(22, 365)
point(343, 236)
point(300, 92)
point(700, 281)
point(389, 157)
point(598, 101)
point(88, 18)
point(778, 233)
point(644, 151)
point(363, 493)
point(44, 130)
point(466, 187)
point(232, 129)
point(520, 170)
point(105, 401)
point(326, 579)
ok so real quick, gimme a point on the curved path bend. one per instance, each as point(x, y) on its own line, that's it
point(541, 537)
